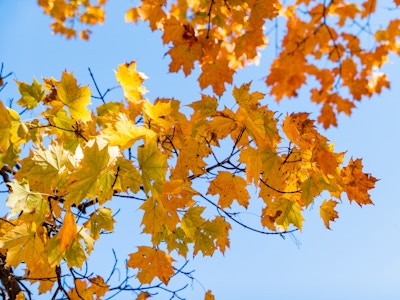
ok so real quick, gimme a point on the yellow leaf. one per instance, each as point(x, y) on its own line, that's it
point(156, 218)
point(88, 180)
point(328, 212)
point(22, 199)
point(131, 81)
point(75, 255)
point(74, 97)
point(192, 220)
point(122, 132)
point(151, 263)
point(157, 113)
point(250, 101)
point(223, 123)
point(93, 15)
point(5, 128)
point(285, 212)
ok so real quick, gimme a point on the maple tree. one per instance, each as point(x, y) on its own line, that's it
point(81, 160)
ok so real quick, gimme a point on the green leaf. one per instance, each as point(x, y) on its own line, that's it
point(31, 95)
point(192, 220)
point(153, 164)
point(100, 219)
point(309, 190)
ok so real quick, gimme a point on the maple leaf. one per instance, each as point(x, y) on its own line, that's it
point(24, 244)
point(52, 164)
point(205, 107)
point(5, 128)
point(191, 158)
point(151, 263)
point(183, 56)
point(67, 233)
point(101, 219)
point(131, 81)
point(123, 132)
point(31, 95)
point(80, 291)
point(93, 15)
point(158, 113)
point(98, 286)
point(91, 178)
point(230, 187)
point(22, 199)
point(192, 220)
point(74, 97)
point(156, 218)
point(245, 99)
point(328, 212)
point(252, 158)
point(209, 296)
point(216, 74)
point(153, 165)
point(309, 190)
point(143, 296)
point(357, 183)
point(223, 123)
point(173, 30)
point(284, 212)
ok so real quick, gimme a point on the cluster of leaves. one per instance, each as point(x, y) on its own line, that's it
point(322, 44)
point(88, 161)
point(80, 160)
point(66, 13)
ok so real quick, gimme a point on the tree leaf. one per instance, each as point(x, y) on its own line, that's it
point(230, 187)
point(31, 95)
point(151, 263)
point(21, 199)
point(101, 219)
point(328, 212)
point(153, 165)
point(74, 97)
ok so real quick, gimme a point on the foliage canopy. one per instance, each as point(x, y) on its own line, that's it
point(80, 160)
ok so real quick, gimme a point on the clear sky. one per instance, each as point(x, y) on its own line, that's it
point(357, 259)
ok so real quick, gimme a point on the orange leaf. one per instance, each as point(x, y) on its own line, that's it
point(151, 263)
point(357, 183)
point(209, 296)
point(216, 74)
point(143, 296)
point(67, 232)
point(230, 187)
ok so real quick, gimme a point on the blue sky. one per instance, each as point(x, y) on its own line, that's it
point(357, 259)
